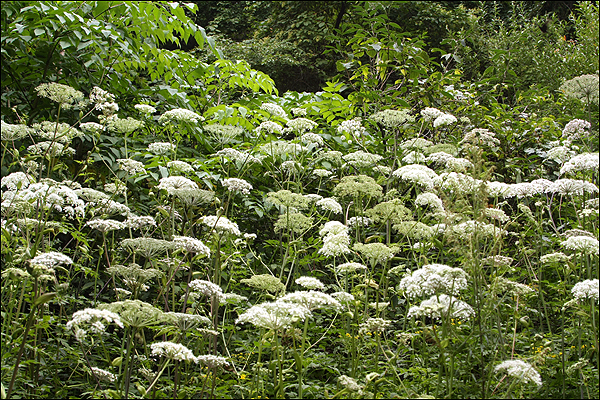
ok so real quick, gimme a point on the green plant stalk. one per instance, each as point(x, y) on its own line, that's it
point(301, 359)
point(128, 362)
point(160, 372)
point(21, 349)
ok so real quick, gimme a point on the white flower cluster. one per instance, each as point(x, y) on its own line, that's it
point(414, 157)
point(348, 268)
point(376, 253)
point(330, 204)
point(179, 166)
point(103, 374)
point(275, 110)
point(417, 174)
point(582, 244)
point(212, 361)
point(236, 155)
point(12, 132)
point(139, 222)
point(362, 159)
point(497, 214)
point(520, 370)
point(466, 230)
point(94, 318)
point(191, 245)
point(161, 148)
point(434, 279)
point(554, 257)
point(572, 187)
point(173, 351)
point(180, 115)
point(313, 197)
point(50, 149)
point(206, 288)
point(105, 225)
point(322, 173)
point(310, 282)
point(299, 111)
point(312, 300)
point(587, 289)
point(269, 126)
point(581, 162)
point(61, 132)
point(576, 129)
point(274, 315)
point(560, 154)
point(91, 128)
point(456, 182)
point(353, 127)
point(280, 148)
point(416, 143)
point(335, 239)
point(49, 194)
point(172, 183)
point(442, 305)
point(130, 166)
point(430, 113)
point(145, 108)
point(349, 383)
point(430, 199)
point(444, 119)
point(312, 138)
point(393, 118)
point(16, 180)
point(221, 225)
point(51, 259)
point(449, 161)
point(356, 221)
point(301, 125)
point(237, 185)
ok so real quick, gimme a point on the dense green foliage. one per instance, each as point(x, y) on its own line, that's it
point(417, 218)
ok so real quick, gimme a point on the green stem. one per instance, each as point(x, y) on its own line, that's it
point(17, 362)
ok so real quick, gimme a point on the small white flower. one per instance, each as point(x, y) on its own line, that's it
point(330, 204)
point(587, 289)
point(310, 283)
point(173, 351)
point(237, 185)
point(520, 370)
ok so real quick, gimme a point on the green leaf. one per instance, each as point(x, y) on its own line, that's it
point(44, 298)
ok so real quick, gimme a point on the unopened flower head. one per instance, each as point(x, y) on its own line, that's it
point(375, 252)
point(288, 199)
point(392, 211)
point(237, 185)
point(65, 95)
point(434, 279)
point(265, 282)
point(414, 229)
point(124, 126)
point(358, 186)
point(442, 305)
point(293, 221)
point(520, 370)
point(587, 289)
